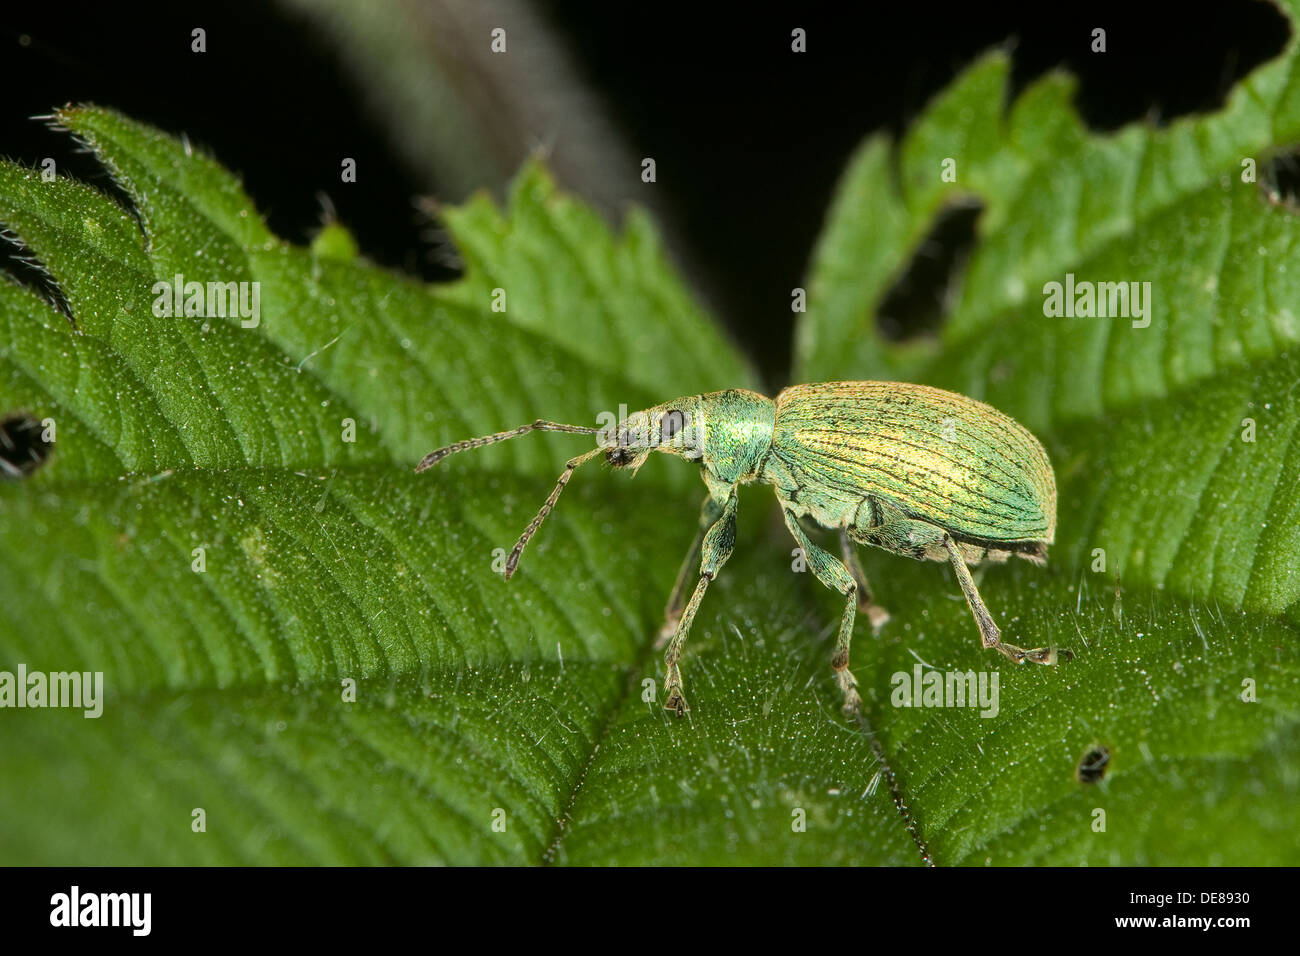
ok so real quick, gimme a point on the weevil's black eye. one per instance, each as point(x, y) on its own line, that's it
point(672, 422)
point(619, 457)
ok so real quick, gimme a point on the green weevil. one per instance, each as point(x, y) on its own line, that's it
point(911, 469)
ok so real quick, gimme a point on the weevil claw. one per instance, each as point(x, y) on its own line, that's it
point(1038, 655)
point(677, 702)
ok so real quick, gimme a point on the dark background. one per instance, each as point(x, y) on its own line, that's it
point(755, 137)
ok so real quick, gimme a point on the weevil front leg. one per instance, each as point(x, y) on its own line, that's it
point(709, 513)
point(715, 549)
point(876, 614)
point(836, 576)
point(989, 633)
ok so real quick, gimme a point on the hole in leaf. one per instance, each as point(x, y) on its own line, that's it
point(23, 447)
point(919, 300)
point(19, 264)
point(1279, 179)
point(1093, 764)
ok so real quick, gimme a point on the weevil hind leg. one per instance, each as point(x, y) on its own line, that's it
point(990, 635)
point(876, 614)
point(835, 576)
point(715, 548)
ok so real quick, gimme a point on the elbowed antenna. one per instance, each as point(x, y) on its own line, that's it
point(540, 425)
point(573, 465)
point(434, 457)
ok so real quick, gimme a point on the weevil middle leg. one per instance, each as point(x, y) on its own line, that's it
point(835, 576)
point(715, 549)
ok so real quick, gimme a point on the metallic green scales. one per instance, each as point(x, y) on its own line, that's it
point(936, 455)
point(913, 470)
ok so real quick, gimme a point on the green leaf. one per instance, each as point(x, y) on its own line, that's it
point(509, 723)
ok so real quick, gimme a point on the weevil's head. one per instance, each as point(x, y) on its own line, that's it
point(728, 432)
point(675, 428)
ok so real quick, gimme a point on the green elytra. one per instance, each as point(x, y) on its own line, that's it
point(914, 470)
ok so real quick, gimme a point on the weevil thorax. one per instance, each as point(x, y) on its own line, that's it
point(729, 432)
point(735, 433)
